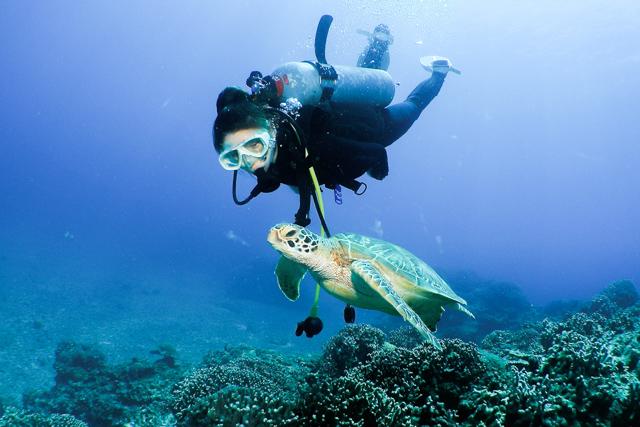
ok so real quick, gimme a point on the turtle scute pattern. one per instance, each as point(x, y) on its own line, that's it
point(396, 258)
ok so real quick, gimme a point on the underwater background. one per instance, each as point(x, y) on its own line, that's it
point(119, 239)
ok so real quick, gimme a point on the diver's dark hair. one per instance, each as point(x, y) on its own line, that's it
point(236, 111)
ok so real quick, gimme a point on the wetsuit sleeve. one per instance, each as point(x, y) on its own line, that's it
point(398, 118)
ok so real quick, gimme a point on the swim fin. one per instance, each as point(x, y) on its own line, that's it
point(438, 64)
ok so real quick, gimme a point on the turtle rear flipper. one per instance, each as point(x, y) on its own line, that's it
point(364, 271)
point(464, 310)
point(289, 275)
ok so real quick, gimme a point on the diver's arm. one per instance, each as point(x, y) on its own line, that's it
point(304, 192)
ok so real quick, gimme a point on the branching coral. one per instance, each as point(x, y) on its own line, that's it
point(14, 417)
point(235, 406)
point(406, 337)
point(352, 346)
point(396, 387)
point(264, 372)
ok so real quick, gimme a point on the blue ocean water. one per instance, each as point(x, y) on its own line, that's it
point(117, 224)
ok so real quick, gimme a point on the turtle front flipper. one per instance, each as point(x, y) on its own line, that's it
point(364, 271)
point(289, 275)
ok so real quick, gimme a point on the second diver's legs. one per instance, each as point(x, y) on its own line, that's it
point(376, 54)
point(399, 117)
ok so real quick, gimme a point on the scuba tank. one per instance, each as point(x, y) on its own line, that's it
point(314, 82)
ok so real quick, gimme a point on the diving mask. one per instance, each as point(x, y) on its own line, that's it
point(257, 146)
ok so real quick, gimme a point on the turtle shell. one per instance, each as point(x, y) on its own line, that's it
point(388, 256)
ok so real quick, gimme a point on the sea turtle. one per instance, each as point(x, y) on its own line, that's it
point(365, 272)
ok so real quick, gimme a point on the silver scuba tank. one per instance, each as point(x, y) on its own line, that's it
point(311, 83)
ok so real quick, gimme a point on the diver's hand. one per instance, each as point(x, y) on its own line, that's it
point(302, 221)
point(310, 326)
point(379, 171)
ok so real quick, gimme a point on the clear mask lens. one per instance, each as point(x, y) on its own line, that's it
point(254, 147)
point(230, 160)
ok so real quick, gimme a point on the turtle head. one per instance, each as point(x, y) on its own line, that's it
point(294, 242)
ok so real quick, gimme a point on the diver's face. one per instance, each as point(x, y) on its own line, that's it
point(246, 144)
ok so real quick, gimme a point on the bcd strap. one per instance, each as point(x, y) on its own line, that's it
point(328, 78)
point(357, 187)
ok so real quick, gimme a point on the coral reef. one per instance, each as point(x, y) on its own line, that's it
point(14, 417)
point(580, 369)
point(623, 293)
point(354, 345)
point(406, 337)
point(235, 406)
point(396, 387)
point(102, 395)
point(583, 371)
point(503, 343)
point(496, 305)
point(228, 379)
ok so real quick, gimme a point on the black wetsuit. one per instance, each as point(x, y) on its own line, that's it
point(344, 142)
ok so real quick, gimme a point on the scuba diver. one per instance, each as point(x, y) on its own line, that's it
point(311, 116)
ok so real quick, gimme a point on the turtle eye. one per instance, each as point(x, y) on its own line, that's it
point(290, 233)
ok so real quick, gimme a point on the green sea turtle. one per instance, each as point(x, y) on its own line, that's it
point(365, 272)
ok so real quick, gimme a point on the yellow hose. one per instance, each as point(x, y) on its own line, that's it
point(316, 188)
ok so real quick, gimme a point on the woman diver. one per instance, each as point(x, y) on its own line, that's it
point(340, 140)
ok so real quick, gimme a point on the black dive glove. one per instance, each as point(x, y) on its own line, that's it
point(302, 220)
